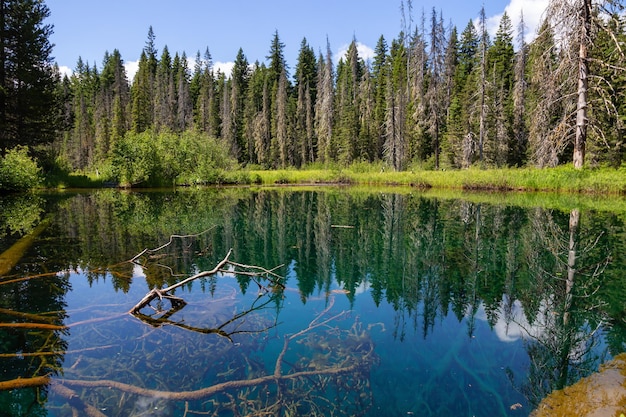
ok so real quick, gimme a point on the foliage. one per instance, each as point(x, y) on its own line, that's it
point(168, 158)
point(18, 171)
point(433, 98)
point(28, 106)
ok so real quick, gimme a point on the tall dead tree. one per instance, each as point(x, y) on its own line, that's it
point(583, 72)
point(578, 22)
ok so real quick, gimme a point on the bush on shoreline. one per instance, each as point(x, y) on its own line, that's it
point(18, 171)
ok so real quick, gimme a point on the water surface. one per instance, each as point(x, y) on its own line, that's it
point(384, 303)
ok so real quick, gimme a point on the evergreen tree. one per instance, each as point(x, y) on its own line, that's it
point(305, 83)
point(81, 146)
point(436, 93)
point(519, 142)
point(349, 73)
point(164, 93)
point(27, 78)
point(460, 131)
point(324, 108)
point(253, 107)
point(500, 99)
point(239, 76)
point(380, 72)
point(207, 107)
point(112, 104)
point(142, 90)
point(184, 103)
point(450, 66)
point(608, 87)
point(395, 149)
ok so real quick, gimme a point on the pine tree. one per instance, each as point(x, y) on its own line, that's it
point(499, 100)
point(608, 88)
point(436, 93)
point(164, 89)
point(80, 150)
point(240, 75)
point(324, 108)
point(519, 142)
point(114, 97)
point(142, 90)
point(448, 148)
point(207, 107)
point(380, 72)
point(305, 80)
point(460, 131)
point(349, 73)
point(184, 103)
point(395, 148)
point(27, 77)
point(252, 108)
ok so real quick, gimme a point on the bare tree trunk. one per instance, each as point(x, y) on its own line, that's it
point(583, 70)
point(483, 83)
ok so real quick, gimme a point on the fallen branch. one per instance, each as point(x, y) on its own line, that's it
point(212, 390)
point(162, 293)
point(36, 381)
point(79, 407)
point(143, 252)
point(41, 326)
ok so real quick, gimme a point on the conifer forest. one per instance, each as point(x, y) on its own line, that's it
point(437, 96)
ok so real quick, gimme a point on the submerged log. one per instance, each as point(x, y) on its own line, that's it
point(10, 257)
point(16, 383)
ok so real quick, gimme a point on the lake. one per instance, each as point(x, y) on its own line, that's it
point(333, 301)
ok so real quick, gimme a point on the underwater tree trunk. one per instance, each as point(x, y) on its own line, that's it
point(10, 257)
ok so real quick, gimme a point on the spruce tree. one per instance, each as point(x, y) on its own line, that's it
point(380, 72)
point(239, 76)
point(27, 77)
point(305, 84)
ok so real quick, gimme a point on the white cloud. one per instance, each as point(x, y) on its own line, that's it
point(131, 69)
point(513, 325)
point(65, 70)
point(532, 10)
point(225, 68)
point(365, 52)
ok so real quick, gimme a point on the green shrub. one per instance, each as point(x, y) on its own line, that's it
point(167, 158)
point(18, 171)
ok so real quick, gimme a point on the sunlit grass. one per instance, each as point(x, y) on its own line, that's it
point(561, 179)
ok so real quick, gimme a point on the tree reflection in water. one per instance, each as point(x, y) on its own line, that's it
point(549, 276)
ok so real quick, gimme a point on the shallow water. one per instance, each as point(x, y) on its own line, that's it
point(387, 304)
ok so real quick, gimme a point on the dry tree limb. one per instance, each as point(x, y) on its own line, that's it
point(52, 353)
point(276, 377)
point(146, 250)
point(41, 326)
point(161, 293)
point(79, 407)
point(214, 389)
point(36, 381)
point(29, 316)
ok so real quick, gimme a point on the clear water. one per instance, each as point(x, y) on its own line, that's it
point(389, 304)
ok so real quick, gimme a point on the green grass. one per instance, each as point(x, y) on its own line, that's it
point(63, 180)
point(561, 179)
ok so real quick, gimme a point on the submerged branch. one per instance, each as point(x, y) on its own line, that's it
point(24, 382)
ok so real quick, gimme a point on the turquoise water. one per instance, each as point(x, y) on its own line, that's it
point(385, 305)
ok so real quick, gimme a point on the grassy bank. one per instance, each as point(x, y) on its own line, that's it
point(561, 179)
point(565, 179)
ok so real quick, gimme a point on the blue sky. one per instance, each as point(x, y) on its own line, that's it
point(88, 28)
